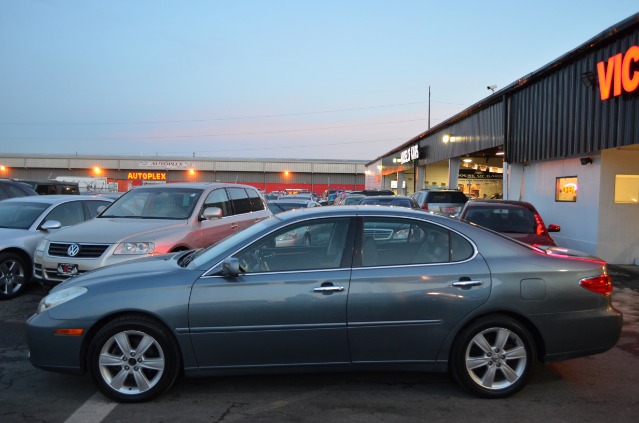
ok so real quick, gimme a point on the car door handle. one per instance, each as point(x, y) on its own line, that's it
point(466, 283)
point(328, 289)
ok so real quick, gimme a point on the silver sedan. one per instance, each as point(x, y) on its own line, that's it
point(378, 288)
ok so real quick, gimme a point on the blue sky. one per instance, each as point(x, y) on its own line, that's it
point(265, 78)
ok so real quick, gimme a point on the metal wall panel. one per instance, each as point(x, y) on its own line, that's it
point(558, 116)
point(478, 131)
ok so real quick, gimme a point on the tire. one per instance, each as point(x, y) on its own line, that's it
point(493, 357)
point(122, 373)
point(14, 275)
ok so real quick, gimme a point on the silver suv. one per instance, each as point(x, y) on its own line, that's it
point(150, 220)
point(441, 201)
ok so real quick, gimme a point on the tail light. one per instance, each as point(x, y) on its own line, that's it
point(600, 284)
point(540, 226)
point(425, 206)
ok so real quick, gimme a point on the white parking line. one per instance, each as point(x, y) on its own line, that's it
point(94, 410)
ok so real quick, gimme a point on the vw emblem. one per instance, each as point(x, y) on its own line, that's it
point(73, 250)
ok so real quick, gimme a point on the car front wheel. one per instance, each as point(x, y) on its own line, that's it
point(14, 275)
point(493, 357)
point(133, 359)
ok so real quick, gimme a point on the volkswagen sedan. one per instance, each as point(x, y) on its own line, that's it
point(432, 294)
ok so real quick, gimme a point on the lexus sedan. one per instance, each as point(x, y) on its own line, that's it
point(24, 221)
point(432, 294)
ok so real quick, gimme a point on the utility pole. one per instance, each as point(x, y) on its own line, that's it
point(429, 107)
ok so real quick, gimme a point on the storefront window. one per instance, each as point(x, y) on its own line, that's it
point(627, 189)
point(566, 189)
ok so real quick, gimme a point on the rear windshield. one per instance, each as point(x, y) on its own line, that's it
point(504, 219)
point(446, 197)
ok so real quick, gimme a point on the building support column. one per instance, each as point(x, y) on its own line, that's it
point(420, 177)
point(453, 172)
point(401, 190)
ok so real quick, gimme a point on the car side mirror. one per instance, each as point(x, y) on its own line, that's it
point(101, 209)
point(554, 228)
point(50, 225)
point(231, 266)
point(211, 213)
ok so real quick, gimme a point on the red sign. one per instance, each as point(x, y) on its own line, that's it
point(620, 74)
point(148, 176)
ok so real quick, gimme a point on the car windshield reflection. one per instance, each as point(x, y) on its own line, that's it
point(155, 204)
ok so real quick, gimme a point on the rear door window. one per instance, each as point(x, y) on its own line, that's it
point(394, 242)
point(240, 200)
point(256, 201)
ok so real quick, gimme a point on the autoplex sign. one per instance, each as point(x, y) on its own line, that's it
point(147, 176)
point(620, 74)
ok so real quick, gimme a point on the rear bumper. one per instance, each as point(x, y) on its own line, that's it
point(579, 334)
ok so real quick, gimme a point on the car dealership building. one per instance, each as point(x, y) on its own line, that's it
point(121, 173)
point(564, 137)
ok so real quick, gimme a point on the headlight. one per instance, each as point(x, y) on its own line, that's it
point(60, 297)
point(42, 245)
point(135, 248)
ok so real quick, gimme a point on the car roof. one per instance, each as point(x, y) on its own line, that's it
point(53, 199)
point(500, 203)
point(355, 210)
point(299, 200)
point(197, 185)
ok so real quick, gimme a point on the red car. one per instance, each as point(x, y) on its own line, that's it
point(515, 219)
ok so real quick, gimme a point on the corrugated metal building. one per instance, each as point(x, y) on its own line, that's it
point(564, 137)
point(124, 172)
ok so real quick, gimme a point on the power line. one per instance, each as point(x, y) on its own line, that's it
point(203, 135)
point(222, 118)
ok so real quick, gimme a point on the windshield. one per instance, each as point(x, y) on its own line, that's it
point(17, 215)
point(141, 203)
point(239, 239)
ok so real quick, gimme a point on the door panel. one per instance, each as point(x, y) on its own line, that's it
point(401, 307)
point(287, 307)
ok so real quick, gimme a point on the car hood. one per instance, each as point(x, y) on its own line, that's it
point(143, 270)
point(112, 230)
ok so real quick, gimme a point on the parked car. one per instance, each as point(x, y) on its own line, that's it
point(25, 221)
point(516, 219)
point(389, 200)
point(52, 186)
point(351, 199)
point(150, 220)
point(374, 192)
point(442, 201)
point(486, 307)
point(11, 189)
point(286, 204)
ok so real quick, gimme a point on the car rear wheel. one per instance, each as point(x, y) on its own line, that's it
point(133, 359)
point(14, 275)
point(493, 357)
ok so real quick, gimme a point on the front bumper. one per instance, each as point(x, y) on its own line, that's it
point(48, 351)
